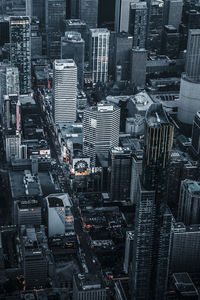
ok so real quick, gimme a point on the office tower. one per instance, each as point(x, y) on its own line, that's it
point(190, 87)
point(64, 90)
point(119, 164)
point(55, 14)
point(28, 213)
point(185, 248)
point(128, 250)
point(89, 286)
point(106, 17)
point(98, 54)
point(34, 246)
point(183, 287)
point(20, 50)
point(4, 30)
point(155, 26)
point(100, 129)
point(36, 8)
point(196, 134)
point(55, 215)
point(78, 26)
point(138, 67)
point(88, 12)
point(11, 113)
point(123, 46)
point(73, 46)
point(122, 10)
point(170, 42)
point(136, 172)
point(153, 219)
point(12, 146)
point(138, 23)
point(9, 82)
point(189, 202)
point(36, 38)
point(173, 12)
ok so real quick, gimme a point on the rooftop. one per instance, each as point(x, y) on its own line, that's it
point(184, 284)
point(156, 116)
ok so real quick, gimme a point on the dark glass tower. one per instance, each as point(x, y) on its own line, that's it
point(73, 46)
point(20, 50)
point(153, 218)
point(55, 14)
point(120, 173)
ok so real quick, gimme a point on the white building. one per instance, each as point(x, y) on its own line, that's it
point(59, 214)
point(99, 49)
point(100, 129)
point(64, 90)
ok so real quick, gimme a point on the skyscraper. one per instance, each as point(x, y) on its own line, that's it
point(196, 134)
point(123, 46)
point(119, 163)
point(122, 9)
point(20, 50)
point(185, 248)
point(138, 67)
point(99, 49)
point(100, 129)
point(55, 15)
point(128, 250)
point(190, 88)
point(173, 12)
point(73, 46)
point(64, 90)
point(138, 23)
point(88, 12)
point(155, 25)
point(189, 202)
point(153, 218)
point(9, 82)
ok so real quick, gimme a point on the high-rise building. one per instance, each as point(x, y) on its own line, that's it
point(153, 219)
point(155, 25)
point(100, 129)
point(173, 12)
point(55, 15)
point(98, 50)
point(196, 134)
point(128, 250)
point(189, 202)
point(4, 30)
point(88, 12)
point(73, 46)
point(28, 213)
point(64, 90)
point(123, 46)
point(89, 286)
point(135, 174)
point(12, 146)
point(9, 83)
point(20, 50)
point(36, 8)
point(185, 248)
point(190, 87)
point(138, 67)
point(36, 38)
point(170, 42)
point(34, 243)
point(55, 215)
point(119, 164)
point(122, 10)
point(138, 23)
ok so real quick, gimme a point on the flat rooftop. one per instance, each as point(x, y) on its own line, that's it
point(184, 284)
point(20, 187)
